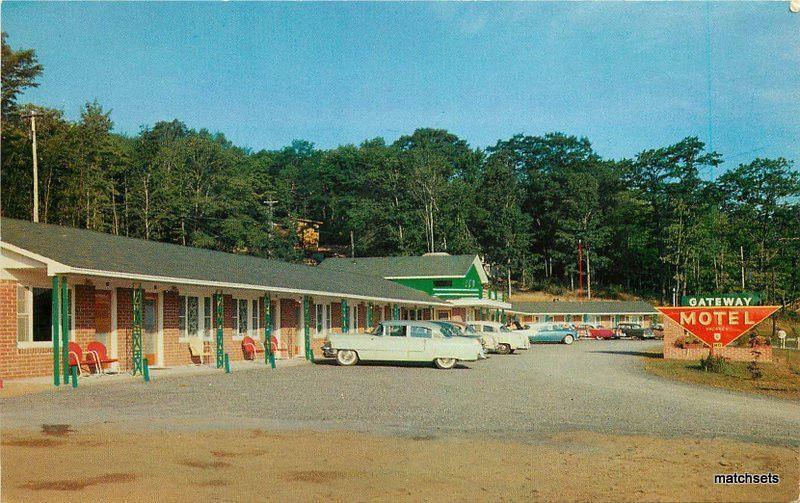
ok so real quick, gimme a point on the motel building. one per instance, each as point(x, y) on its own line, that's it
point(144, 299)
point(461, 281)
point(605, 313)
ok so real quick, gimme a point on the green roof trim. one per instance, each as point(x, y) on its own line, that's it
point(96, 251)
point(584, 307)
point(425, 266)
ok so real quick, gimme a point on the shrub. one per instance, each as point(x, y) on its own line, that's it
point(715, 364)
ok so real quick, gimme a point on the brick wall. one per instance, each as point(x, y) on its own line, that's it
point(362, 316)
point(290, 322)
point(672, 331)
point(336, 317)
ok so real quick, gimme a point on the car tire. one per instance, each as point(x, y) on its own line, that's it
point(346, 357)
point(445, 363)
point(568, 339)
point(512, 351)
point(503, 349)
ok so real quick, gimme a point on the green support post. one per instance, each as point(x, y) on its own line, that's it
point(74, 372)
point(345, 321)
point(145, 370)
point(220, 323)
point(269, 355)
point(307, 327)
point(65, 328)
point(369, 315)
point(55, 325)
point(136, 331)
point(396, 312)
point(227, 364)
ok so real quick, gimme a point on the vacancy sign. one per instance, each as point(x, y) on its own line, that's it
point(718, 326)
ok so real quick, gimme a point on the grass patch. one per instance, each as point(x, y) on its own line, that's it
point(780, 379)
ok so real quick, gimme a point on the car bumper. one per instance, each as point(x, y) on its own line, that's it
point(328, 351)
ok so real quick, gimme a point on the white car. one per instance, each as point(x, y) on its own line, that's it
point(507, 340)
point(410, 341)
point(487, 341)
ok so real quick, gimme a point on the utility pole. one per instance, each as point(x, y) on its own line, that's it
point(588, 274)
point(352, 246)
point(32, 115)
point(580, 268)
point(741, 255)
point(271, 203)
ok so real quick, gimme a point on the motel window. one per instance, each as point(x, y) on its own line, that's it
point(189, 316)
point(208, 319)
point(34, 314)
point(354, 317)
point(328, 317)
point(442, 283)
point(182, 314)
point(254, 318)
point(192, 316)
point(241, 318)
point(319, 318)
point(442, 315)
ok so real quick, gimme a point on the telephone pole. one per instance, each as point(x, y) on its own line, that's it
point(32, 115)
point(588, 274)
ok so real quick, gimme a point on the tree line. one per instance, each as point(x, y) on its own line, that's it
point(656, 224)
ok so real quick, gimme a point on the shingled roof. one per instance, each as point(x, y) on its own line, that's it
point(95, 253)
point(425, 266)
point(584, 307)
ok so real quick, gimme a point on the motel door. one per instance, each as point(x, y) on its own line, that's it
point(150, 331)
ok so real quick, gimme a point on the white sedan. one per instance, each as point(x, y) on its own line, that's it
point(507, 340)
point(410, 341)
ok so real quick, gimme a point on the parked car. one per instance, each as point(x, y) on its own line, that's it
point(584, 328)
point(462, 329)
point(411, 341)
point(634, 331)
point(508, 341)
point(601, 333)
point(552, 332)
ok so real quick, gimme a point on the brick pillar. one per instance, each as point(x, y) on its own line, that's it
point(84, 328)
point(124, 328)
point(175, 352)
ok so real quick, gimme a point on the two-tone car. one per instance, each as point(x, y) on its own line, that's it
point(549, 332)
point(508, 341)
point(403, 341)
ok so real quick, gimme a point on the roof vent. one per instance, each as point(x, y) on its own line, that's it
point(436, 254)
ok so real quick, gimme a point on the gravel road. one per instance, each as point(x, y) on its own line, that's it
point(591, 385)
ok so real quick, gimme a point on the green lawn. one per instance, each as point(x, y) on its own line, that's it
point(780, 379)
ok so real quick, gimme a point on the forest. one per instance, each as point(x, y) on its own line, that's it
point(653, 225)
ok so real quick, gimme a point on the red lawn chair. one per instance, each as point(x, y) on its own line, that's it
point(99, 356)
point(250, 348)
point(76, 358)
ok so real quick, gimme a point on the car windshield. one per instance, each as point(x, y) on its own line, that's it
point(447, 329)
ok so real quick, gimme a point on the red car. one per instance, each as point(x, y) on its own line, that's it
point(602, 333)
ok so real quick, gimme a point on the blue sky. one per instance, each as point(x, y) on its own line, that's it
point(629, 76)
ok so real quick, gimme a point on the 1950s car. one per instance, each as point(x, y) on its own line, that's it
point(549, 332)
point(487, 341)
point(508, 341)
point(409, 341)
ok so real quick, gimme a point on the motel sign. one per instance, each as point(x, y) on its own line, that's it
point(718, 326)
